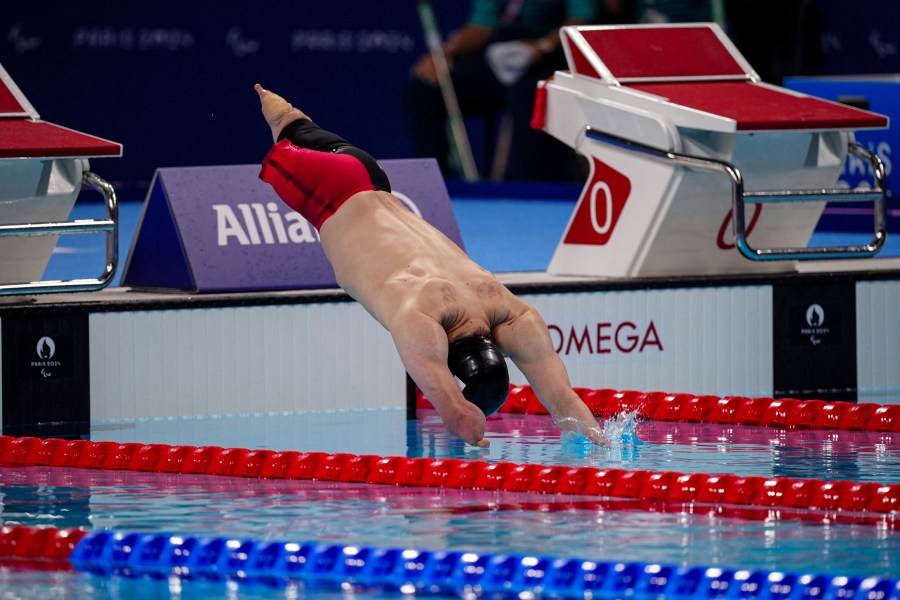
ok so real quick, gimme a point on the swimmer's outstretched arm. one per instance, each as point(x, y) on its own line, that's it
point(526, 341)
point(423, 348)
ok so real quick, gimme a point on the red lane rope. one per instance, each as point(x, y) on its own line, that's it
point(39, 548)
point(788, 413)
point(874, 502)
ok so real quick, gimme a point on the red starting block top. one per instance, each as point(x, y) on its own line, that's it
point(661, 52)
point(23, 135)
point(696, 66)
point(756, 107)
point(24, 138)
point(13, 102)
point(9, 105)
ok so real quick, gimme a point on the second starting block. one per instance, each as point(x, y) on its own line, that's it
point(42, 169)
point(696, 167)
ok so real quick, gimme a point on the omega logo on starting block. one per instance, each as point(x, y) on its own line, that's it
point(727, 227)
point(599, 207)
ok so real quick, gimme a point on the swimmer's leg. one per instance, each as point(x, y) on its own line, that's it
point(277, 111)
point(293, 125)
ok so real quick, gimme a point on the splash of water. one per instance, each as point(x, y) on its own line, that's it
point(619, 430)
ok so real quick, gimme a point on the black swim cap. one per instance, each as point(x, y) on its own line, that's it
point(480, 365)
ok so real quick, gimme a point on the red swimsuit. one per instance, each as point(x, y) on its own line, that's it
point(313, 183)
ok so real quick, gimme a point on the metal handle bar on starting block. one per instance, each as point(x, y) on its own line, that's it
point(109, 226)
point(740, 198)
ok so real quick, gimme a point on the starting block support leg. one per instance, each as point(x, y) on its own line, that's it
point(108, 226)
point(740, 198)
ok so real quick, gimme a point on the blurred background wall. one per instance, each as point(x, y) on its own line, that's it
point(172, 81)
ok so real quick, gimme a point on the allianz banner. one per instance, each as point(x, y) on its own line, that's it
point(221, 229)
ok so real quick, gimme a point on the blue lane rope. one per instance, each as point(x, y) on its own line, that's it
point(411, 571)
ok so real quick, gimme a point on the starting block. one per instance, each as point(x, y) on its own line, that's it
point(696, 167)
point(42, 168)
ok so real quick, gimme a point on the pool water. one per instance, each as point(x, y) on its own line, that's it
point(683, 447)
point(21, 584)
point(599, 529)
point(437, 519)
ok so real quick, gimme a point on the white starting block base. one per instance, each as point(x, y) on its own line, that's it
point(57, 184)
point(679, 221)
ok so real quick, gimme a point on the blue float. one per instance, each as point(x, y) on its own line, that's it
point(413, 571)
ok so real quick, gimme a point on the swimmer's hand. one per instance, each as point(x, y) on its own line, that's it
point(464, 420)
point(596, 435)
point(571, 414)
point(593, 433)
point(277, 111)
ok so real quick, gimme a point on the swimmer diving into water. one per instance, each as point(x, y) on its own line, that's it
point(447, 315)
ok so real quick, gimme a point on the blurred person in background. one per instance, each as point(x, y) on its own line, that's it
point(496, 59)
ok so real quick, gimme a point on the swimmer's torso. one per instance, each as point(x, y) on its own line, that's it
point(391, 261)
point(386, 259)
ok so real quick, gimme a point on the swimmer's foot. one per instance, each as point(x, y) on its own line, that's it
point(277, 111)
